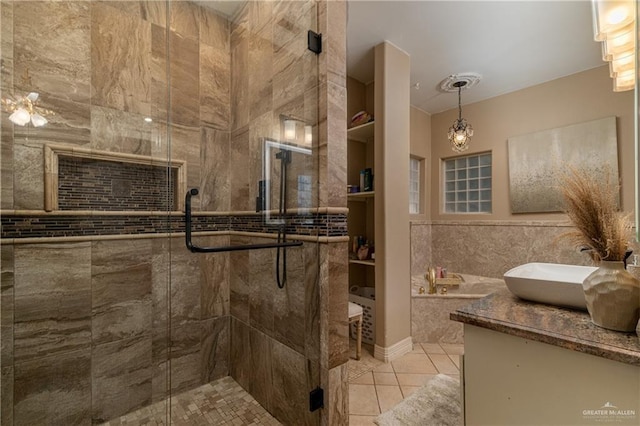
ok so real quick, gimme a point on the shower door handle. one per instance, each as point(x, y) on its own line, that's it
point(196, 249)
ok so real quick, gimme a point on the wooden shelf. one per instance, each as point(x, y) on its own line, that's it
point(363, 262)
point(362, 133)
point(360, 196)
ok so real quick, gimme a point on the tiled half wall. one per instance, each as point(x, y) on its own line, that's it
point(487, 248)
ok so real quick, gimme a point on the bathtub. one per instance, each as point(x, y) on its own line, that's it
point(430, 321)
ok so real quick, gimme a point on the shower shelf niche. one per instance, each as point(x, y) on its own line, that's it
point(112, 166)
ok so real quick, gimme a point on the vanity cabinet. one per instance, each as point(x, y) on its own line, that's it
point(529, 363)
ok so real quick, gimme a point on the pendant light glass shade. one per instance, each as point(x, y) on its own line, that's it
point(460, 131)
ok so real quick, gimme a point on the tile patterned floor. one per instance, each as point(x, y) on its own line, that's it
point(222, 402)
point(375, 387)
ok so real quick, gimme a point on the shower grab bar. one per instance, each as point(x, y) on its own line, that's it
point(196, 249)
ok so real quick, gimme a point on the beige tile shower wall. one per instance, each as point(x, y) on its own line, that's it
point(6, 82)
point(102, 73)
point(332, 193)
point(90, 320)
point(275, 332)
point(273, 76)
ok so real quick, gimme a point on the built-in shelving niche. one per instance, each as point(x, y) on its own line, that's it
point(85, 179)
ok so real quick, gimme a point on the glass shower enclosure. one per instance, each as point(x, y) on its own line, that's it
point(116, 116)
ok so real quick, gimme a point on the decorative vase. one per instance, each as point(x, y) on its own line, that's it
point(613, 297)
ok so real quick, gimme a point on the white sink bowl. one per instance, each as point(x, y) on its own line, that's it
point(549, 283)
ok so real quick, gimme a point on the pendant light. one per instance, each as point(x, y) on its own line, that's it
point(460, 131)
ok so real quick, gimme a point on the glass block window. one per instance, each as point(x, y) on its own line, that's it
point(467, 184)
point(414, 186)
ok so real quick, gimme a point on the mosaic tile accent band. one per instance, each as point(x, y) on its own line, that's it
point(317, 224)
point(85, 184)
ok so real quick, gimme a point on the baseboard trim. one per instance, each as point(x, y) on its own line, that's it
point(394, 351)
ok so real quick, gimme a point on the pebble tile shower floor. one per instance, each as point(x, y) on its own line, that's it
point(222, 402)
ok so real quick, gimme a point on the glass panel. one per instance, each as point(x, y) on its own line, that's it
point(461, 186)
point(485, 171)
point(461, 174)
point(485, 160)
point(473, 161)
point(461, 163)
point(473, 173)
point(90, 332)
point(450, 196)
point(131, 320)
point(473, 184)
point(485, 206)
point(474, 207)
point(449, 176)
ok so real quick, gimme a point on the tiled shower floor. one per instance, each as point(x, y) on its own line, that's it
point(222, 402)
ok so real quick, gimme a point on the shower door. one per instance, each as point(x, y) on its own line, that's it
point(257, 86)
point(86, 194)
point(111, 111)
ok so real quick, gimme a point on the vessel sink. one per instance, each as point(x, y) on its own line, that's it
point(549, 283)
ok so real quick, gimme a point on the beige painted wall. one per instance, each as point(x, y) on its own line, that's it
point(569, 100)
point(392, 67)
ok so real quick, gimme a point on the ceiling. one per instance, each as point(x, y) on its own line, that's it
point(512, 44)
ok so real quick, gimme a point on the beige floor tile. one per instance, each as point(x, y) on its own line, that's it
point(363, 400)
point(417, 349)
point(444, 364)
point(384, 368)
point(385, 379)
point(453, 348)
point(365, 379)
point(413, 379)
point(361, 420)
point(388, 396)
point(456, 360)
point(432, 348)
point(408, 390)
point(414, 363)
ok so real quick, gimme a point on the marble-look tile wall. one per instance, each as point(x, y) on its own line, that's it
point(274, 332)
point(489, 249)
point(85, 333)
point(103, 71)
point(94, 314)
point(334, 292)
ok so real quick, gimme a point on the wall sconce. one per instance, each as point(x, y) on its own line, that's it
point(289, 129)
point(614, 25)
point(296, 130)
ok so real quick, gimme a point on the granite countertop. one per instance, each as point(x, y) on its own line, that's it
point(570, 329)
